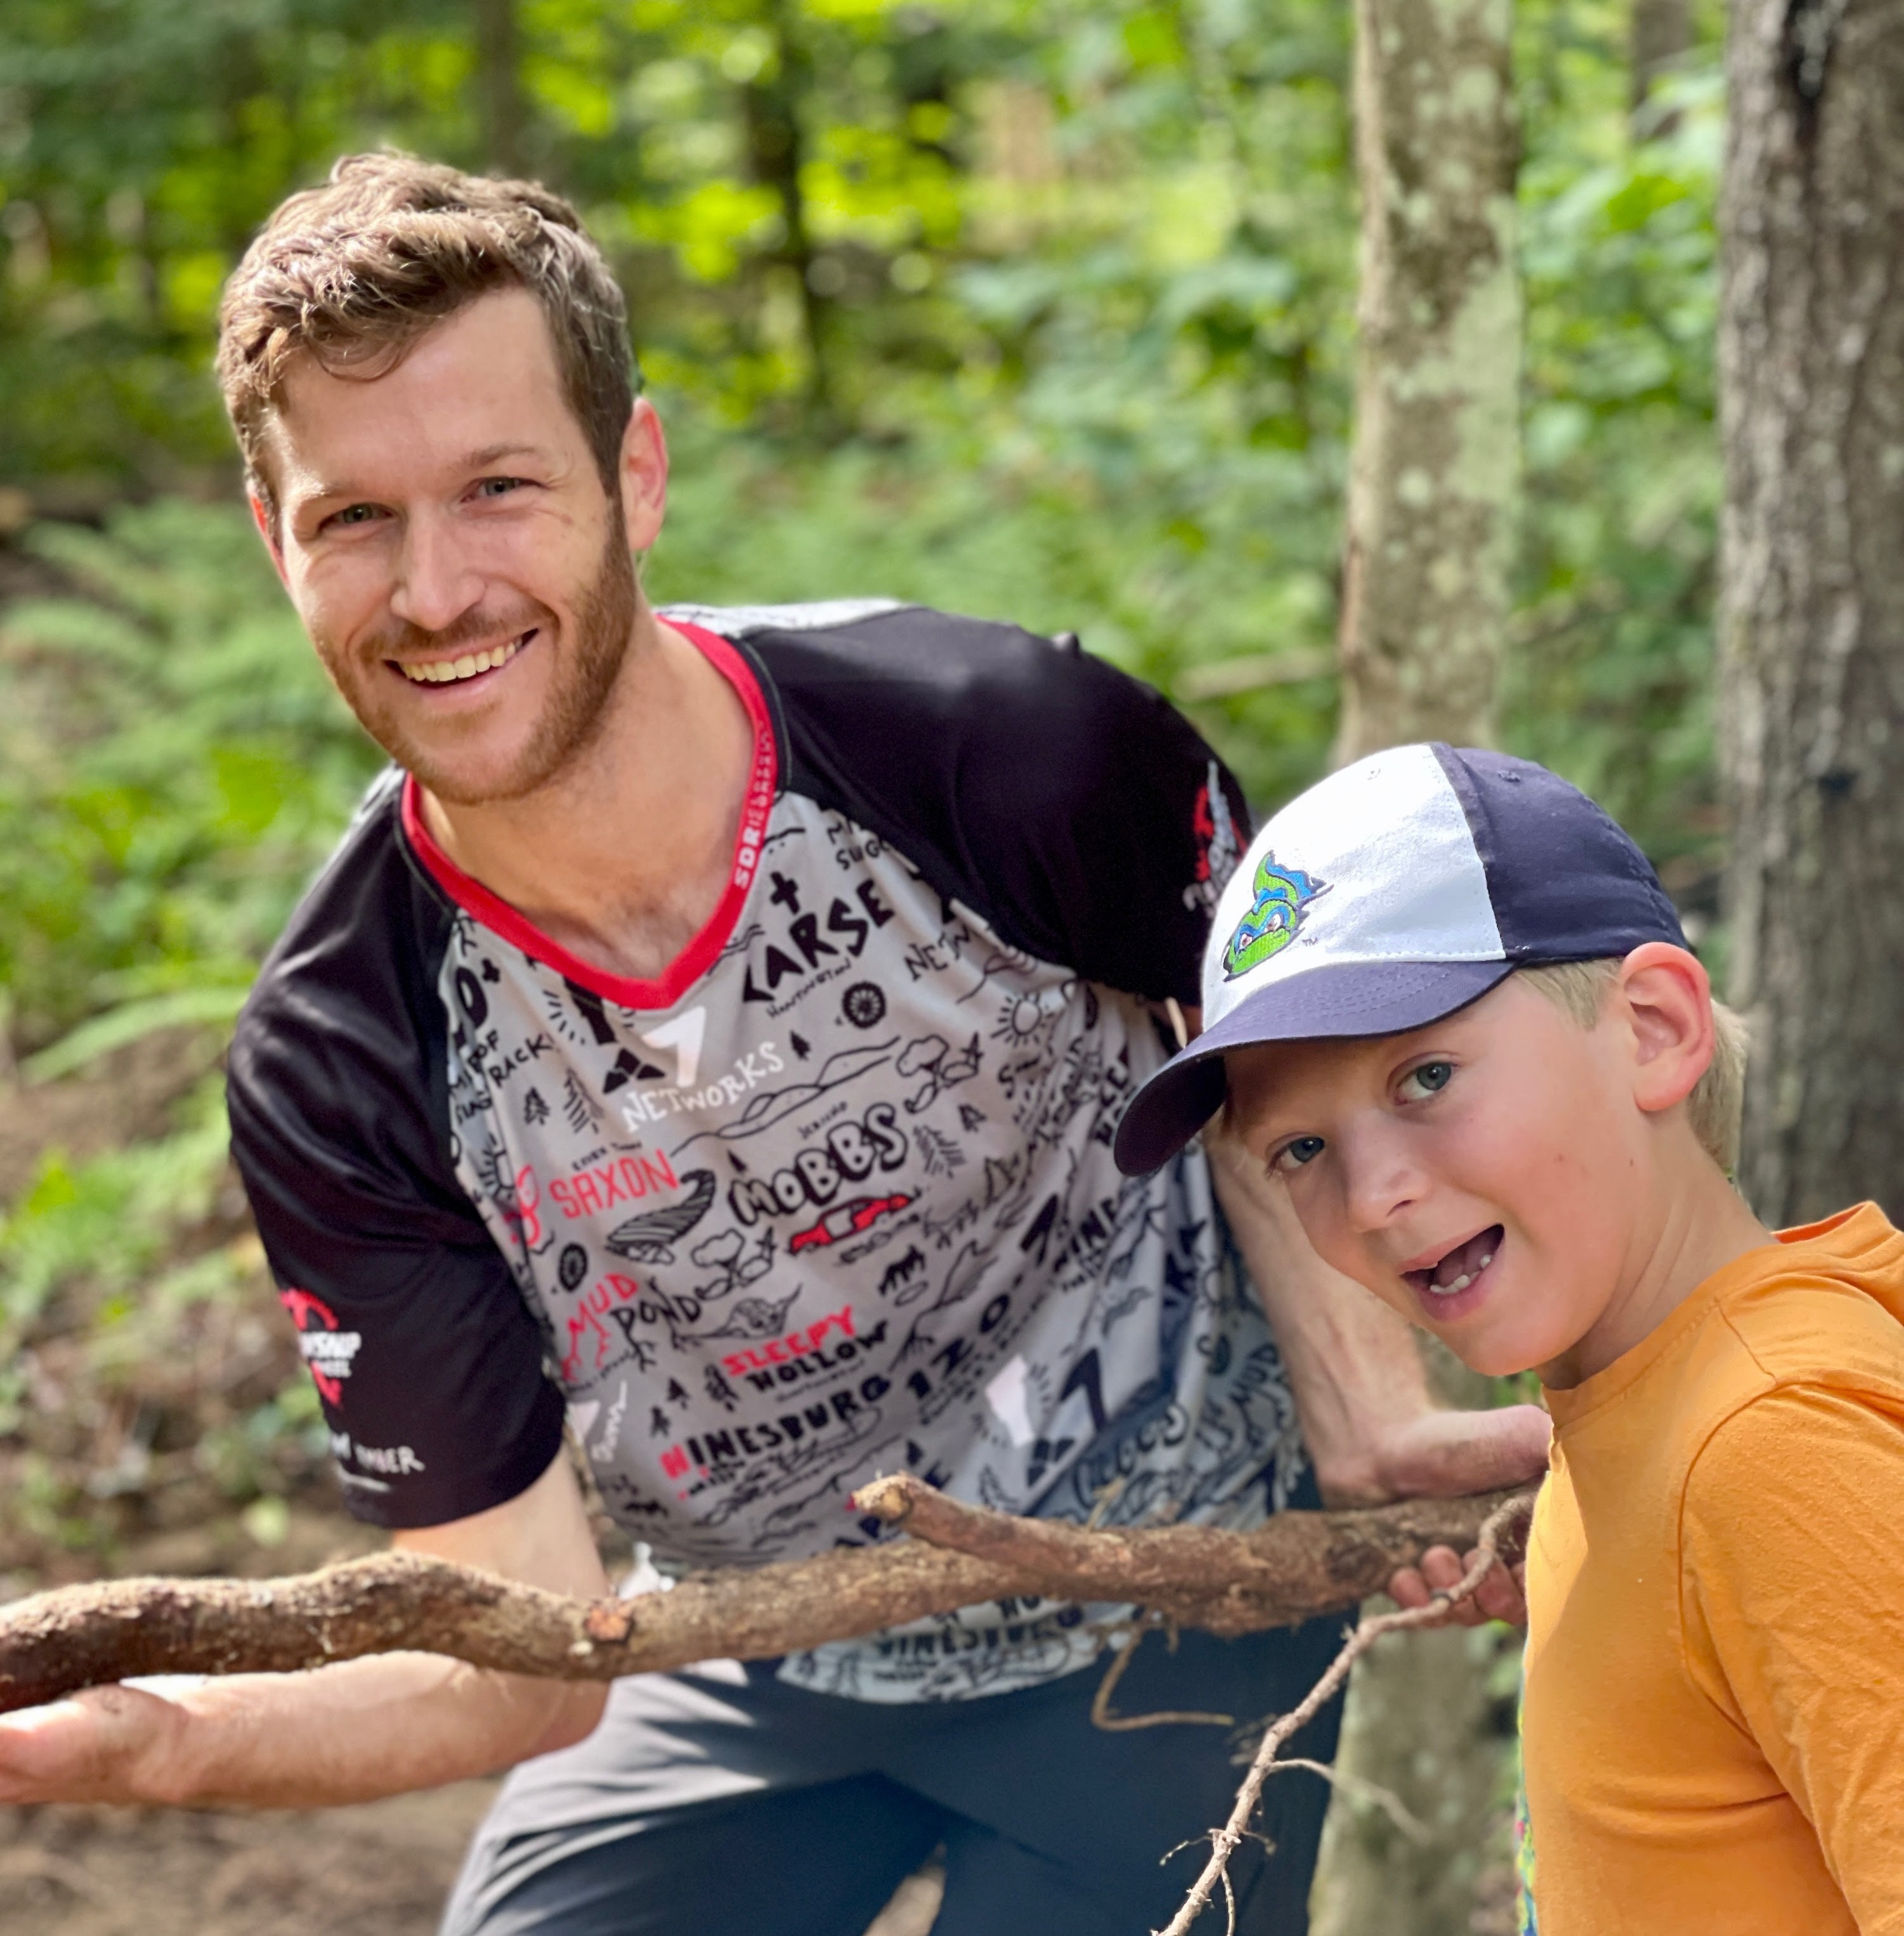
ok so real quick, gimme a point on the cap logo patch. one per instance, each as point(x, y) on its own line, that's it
point(1282, 895)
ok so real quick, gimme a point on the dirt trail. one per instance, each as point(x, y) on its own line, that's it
point(382, 1869)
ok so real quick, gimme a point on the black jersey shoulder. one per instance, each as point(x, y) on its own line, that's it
point(338, 1057)
point(337, 1088)
point(1055, 795)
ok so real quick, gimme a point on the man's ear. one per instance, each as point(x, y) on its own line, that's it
point(261, 517)
point(1668, 1001)
point(643, 470)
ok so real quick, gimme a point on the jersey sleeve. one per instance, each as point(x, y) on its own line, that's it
point(1795, 1617)
point(427, 1361)
point(1070, 804)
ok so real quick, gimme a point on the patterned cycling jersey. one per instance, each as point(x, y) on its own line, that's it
point(834, 1195)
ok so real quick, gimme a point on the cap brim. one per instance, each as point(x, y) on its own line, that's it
point(1350, 998)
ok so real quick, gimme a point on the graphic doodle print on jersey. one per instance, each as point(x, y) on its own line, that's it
point(849, 1206)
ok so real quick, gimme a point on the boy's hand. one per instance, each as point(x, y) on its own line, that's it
point(1500, 1596)
point(1442, 1454)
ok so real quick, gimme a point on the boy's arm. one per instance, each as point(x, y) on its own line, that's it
point(1794, 1597)
point(349, 1733)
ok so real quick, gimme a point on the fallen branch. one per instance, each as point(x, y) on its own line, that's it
point(1496, 1539)
point(1295, 1565)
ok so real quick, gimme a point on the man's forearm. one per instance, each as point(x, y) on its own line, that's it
point(1354, 1368)
point(361, 1730)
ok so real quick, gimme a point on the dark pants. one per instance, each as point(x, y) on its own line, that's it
point(727, 1804)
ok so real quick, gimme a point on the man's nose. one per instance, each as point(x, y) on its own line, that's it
point(437, 579)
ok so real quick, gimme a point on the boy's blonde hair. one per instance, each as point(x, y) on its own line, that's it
point(1717, 1102)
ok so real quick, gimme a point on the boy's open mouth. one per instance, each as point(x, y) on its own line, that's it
point(1462, 1264)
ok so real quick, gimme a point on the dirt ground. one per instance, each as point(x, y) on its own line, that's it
point(382, 1869)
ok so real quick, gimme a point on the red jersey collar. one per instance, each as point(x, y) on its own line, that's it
point(694, 960)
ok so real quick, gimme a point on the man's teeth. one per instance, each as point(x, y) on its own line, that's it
point(446, 672)
point(1460, 1283)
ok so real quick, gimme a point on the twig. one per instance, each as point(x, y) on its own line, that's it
point(1224, 1841)
point(1101, 1716)
point(1359, 1788)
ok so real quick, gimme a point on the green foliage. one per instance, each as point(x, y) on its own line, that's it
point(173, 765)
point(1024, 306)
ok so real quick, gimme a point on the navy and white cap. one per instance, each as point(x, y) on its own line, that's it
point(1390, 894)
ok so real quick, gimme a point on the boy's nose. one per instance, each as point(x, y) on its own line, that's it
point(1382, 1183)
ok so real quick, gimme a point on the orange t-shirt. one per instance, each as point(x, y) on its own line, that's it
point(1714, 1724)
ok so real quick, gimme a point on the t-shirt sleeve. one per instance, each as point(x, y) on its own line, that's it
point(1071, 805)
point(1098, 814)
point(428, 1363)
point(1795, 1618)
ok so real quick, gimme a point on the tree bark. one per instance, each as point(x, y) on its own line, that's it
point(1435, 479)
point(1812, 602)
point(1294, 1567)
point(1436, 464)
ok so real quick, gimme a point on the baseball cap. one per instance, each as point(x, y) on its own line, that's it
point(1390, 894)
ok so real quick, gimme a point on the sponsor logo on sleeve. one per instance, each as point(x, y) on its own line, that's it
point(330, 1352)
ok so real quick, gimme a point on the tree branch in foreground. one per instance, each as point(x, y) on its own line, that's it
point(1502, 1536)
point(1295, 1565)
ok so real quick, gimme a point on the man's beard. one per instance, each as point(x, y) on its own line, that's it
point(574, 711)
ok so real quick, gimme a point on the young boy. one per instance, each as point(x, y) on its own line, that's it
point(1456, 1020)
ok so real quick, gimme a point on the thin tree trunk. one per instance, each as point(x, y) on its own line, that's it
point(1662, 34)
point(1434, 483)
point(1435, 468)
point(499, 84)
point(776, 143)
point(1812, 603)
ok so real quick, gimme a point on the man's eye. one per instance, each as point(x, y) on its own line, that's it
point(1429, 1079)
point(352, 514)
point(1293, 1155)
point(498, 487)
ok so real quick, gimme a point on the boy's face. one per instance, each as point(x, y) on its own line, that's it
point(1485, 1176)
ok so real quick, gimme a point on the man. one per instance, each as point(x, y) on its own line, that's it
point(712, 1032)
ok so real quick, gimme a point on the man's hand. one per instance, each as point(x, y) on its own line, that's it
point(1443, 1454)
point(1372, 1429)
point(351, 1732)
point(106, 1744)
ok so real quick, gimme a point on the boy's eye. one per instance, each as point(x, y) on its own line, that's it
point(1293, 1155)
point(1428, 1080)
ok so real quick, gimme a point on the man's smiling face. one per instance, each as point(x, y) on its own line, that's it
point(1480, 1175)
point(445, 535)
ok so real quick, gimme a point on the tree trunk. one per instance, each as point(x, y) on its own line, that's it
point(498, 85)
point(776, 144)
point(1811, 604)
point(1423, 1721)
point(1434, 483)
point(1662, 34)
point(1436, 462)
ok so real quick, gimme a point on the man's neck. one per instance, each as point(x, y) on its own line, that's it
point(1699, 1224)
point(622, 857)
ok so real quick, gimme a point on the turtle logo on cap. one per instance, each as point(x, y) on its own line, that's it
point(1282, 895)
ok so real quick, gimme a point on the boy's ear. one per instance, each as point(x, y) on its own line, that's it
point(1668, 1001)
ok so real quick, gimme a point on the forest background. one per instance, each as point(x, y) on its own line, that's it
point(1029, 308)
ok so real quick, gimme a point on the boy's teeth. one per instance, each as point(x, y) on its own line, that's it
point(1460, 1284)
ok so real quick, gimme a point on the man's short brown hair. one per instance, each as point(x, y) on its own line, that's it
point(352, 273)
